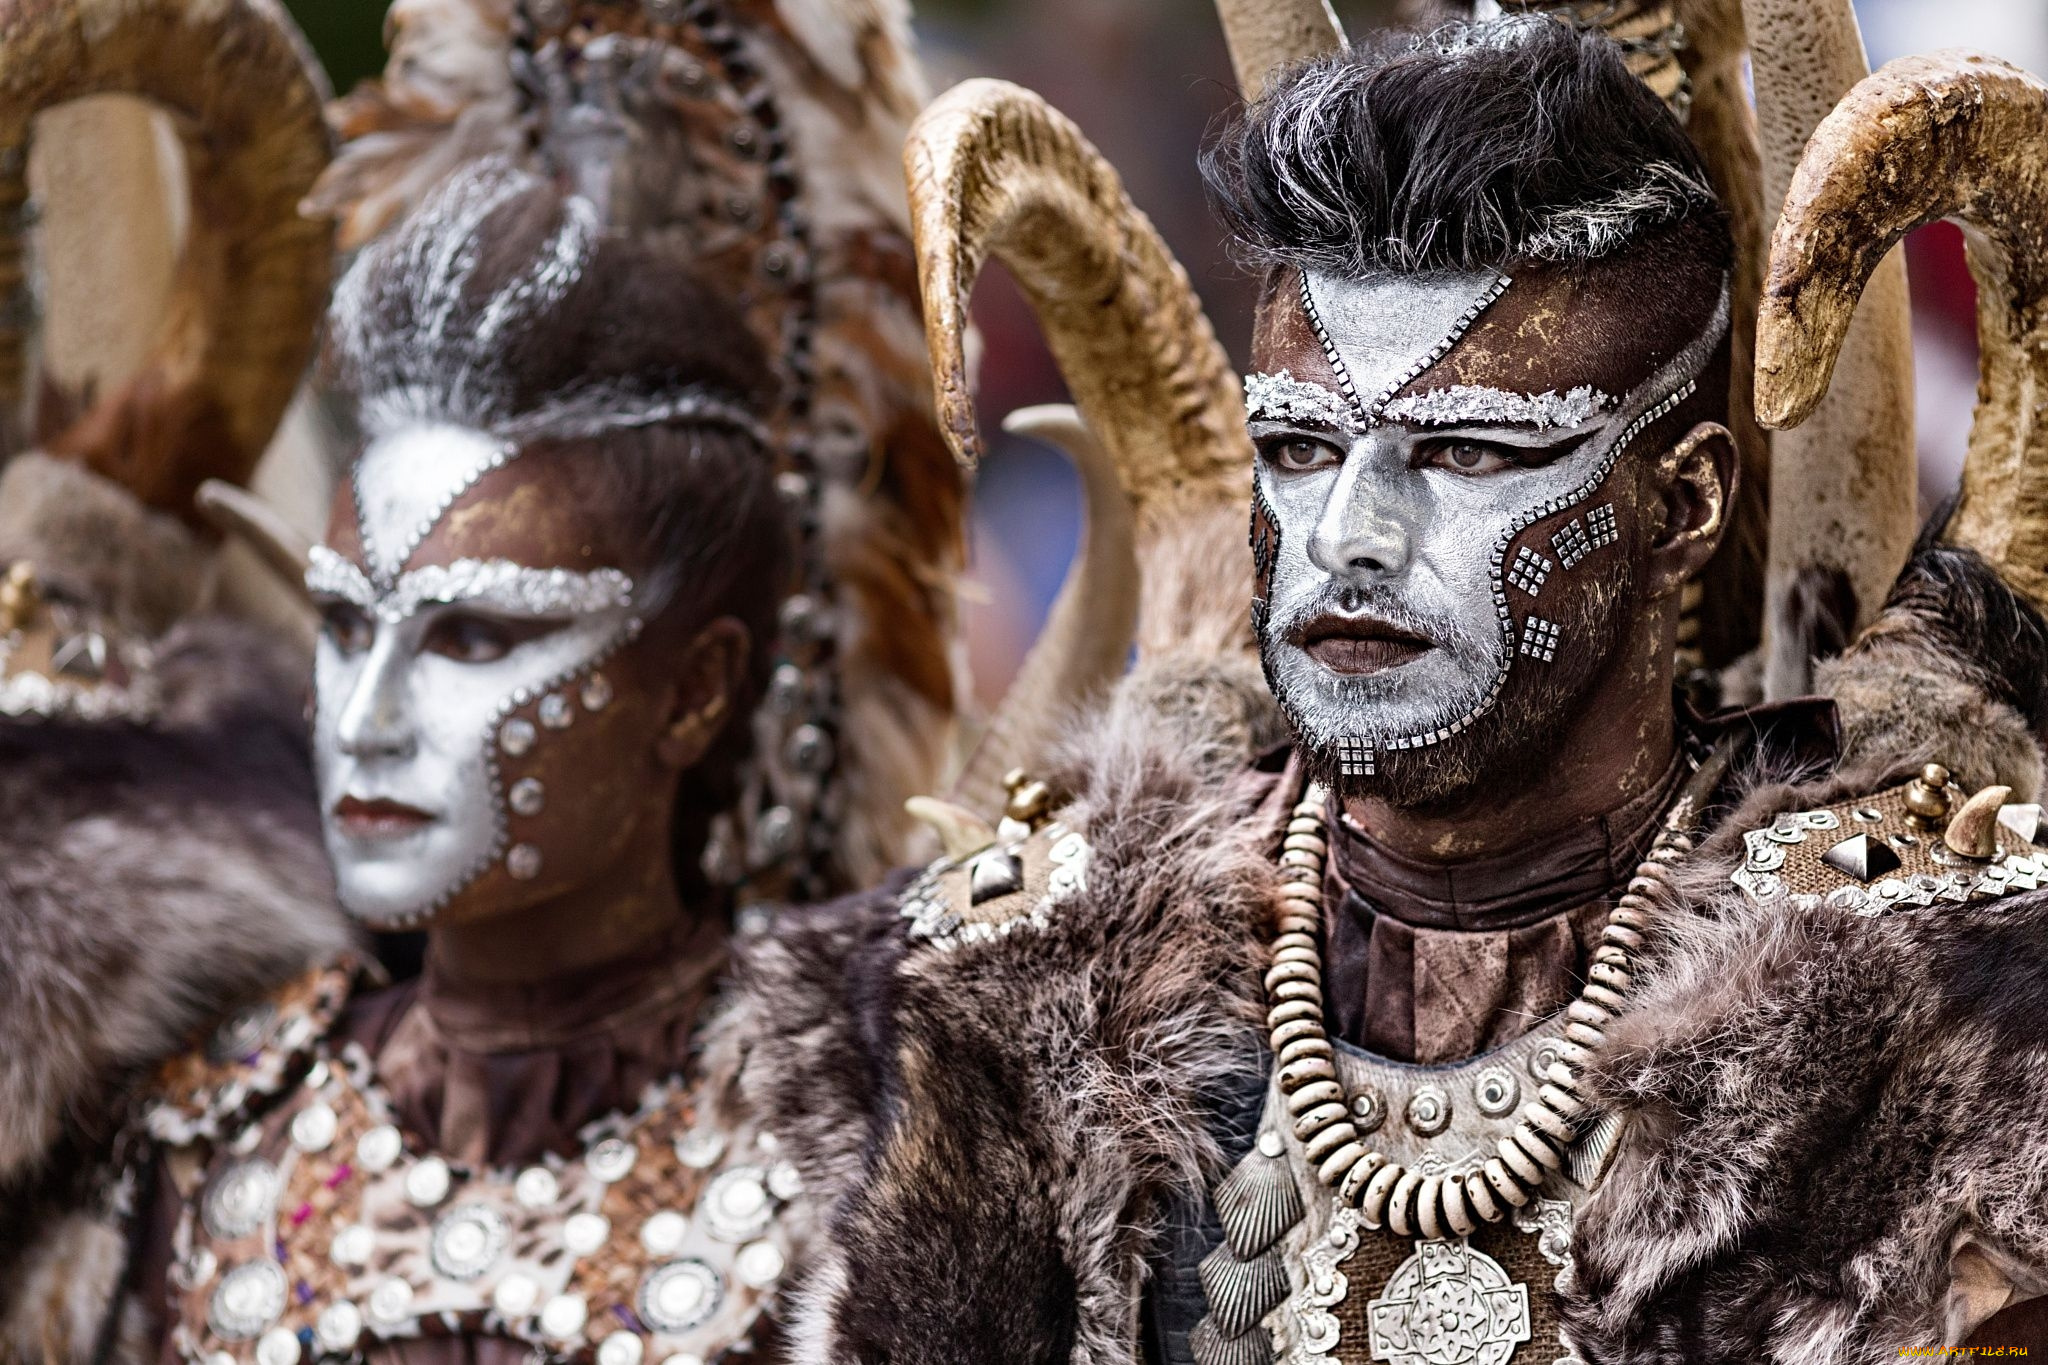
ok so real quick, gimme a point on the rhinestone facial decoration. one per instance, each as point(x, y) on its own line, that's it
point(1539, 639)
point(1528, 571)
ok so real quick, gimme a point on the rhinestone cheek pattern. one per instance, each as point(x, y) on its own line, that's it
point(663, 1238)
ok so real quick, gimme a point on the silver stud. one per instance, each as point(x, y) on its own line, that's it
point(339, 1327)
point(528, 796)
point(597, 692)
point(784, 1182)
point(1429, 1110)
point(537, 1187)
point(583, 1233)
point(352, 1246)
point(1270, 1143)
point(555, 711)
point(809, 749)
point(683, 1358)
point(679, 1296)
point(248, 1299)
point(278, 1346)
point(515, 1295)
point(240, 1199)
point(378, 1148)
point(563, 1316)
point(785, 689)
point(391, 1301)
point(426, 1184)
point(1368, 1108)
point(611, 1160)
point(523, 862)
point(467, 1241)
point(759, 1264)
point(516, 736)
point(700, 1148)
point(620, 1348)
point(1496, 1091)
point(662, 1234)
point(735, 1207)
point(776, 832)
point(313, 1128)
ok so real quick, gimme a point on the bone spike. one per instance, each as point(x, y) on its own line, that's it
point(961, 832)
point(235, 511)
point(1974, 831)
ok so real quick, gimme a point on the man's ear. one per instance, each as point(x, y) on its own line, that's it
point(708, 676)
point(1698, 481)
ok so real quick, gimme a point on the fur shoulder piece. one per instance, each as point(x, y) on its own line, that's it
point(996, 1118)
point(1837, 1088)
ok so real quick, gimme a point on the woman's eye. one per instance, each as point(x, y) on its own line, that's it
point(1467, 457)
point(346, 627)
point(1297, 454)
point(470, 639)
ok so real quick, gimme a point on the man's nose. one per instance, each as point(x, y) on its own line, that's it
point(376, 718)
point(1364, 532)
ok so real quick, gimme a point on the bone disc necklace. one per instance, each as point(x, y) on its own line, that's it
point(1386, 1193)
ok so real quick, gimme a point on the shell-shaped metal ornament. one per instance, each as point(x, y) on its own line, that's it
point(1257, 1203)
point(1212, 1347)
point(1241, 1292)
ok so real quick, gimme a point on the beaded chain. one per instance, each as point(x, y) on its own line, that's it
point(1385, 1192)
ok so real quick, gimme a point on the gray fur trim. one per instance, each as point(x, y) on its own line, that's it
point(1902, 707)
point(89, 537)
point(1017, 1112)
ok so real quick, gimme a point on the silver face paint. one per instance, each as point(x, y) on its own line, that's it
point(396, 722)
point(1422, 548)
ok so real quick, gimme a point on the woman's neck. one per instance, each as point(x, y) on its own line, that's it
point(635, 903)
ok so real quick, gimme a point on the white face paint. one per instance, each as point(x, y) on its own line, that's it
point(407, 729)
point(1382, 532)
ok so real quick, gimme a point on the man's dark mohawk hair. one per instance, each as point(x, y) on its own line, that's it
point(1517, 138)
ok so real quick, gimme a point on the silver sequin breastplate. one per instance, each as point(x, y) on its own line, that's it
point(1303, 1279)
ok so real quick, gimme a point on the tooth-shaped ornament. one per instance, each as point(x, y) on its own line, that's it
point(1257, 1203)
point(1241, 1292)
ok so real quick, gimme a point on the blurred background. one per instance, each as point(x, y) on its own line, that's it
point(1145, 79)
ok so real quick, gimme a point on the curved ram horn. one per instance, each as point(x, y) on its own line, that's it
point(1266, 35)
point(1842, 487)
point(1954, 135)
point(233, 510)
point(246, 299)
point(1086, 639)
point(995, 172)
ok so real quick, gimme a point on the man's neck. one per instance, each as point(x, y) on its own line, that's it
point(1617, 746)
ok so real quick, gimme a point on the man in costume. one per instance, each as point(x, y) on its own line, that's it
point(1341, 1049)
point(159, 848)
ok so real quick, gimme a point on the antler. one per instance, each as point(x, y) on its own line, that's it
point(996, 172)
point(1949, 135)
point(1266, 35)
point(247, 296)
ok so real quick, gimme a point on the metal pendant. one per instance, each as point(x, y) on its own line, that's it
point(1448, 1305)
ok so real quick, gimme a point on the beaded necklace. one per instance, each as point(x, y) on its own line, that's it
point(1386, 1193)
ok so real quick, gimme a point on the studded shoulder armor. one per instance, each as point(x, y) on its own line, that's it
point(249, 1058)
point(1911, 845)
point(994, 881)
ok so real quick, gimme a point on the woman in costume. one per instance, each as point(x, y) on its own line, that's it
point(646, 470)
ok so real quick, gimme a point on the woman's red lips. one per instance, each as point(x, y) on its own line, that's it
point(379, 819)
point(1358, 645)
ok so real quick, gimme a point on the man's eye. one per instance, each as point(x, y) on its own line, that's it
point(1468, 457)
point(470, 639)
point(346, 627)
point(1298, 454)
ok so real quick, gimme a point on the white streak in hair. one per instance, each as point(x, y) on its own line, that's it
point(1459, 404)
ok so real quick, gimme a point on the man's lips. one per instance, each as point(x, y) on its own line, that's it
point(379, 819)
point(1358, 645)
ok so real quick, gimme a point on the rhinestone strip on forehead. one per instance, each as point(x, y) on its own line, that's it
point(494, 582)
point(1372, 413)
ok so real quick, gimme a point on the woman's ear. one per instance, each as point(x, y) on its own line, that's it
point(707, 678)
point(1698, 479)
